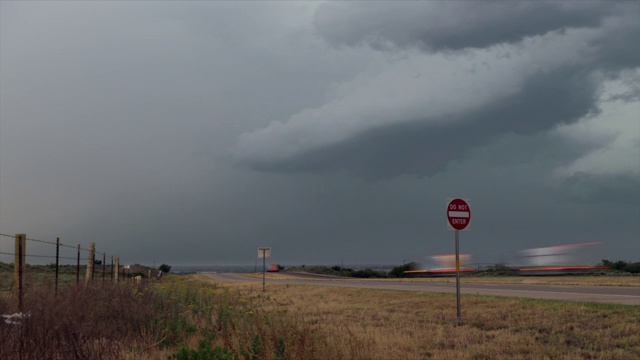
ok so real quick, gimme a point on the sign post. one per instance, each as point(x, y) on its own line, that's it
point(458, 217)
point(264, 253)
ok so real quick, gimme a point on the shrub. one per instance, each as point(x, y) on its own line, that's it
point(621, 265)
point(398, 271)
point(499, 270)
point(368, 273)
point(633, 268)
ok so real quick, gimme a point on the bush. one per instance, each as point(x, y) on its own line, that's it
point(398, 271)
point(165, 268)
point(499, 270)
point(633, 268)
point(620, 265)
point(368, 273)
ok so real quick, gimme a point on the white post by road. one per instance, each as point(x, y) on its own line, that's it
point(264, 253)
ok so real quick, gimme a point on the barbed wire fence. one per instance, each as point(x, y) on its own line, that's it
point(22, 280)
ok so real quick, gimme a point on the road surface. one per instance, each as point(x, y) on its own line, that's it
point(600, 294)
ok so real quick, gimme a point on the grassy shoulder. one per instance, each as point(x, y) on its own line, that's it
point(183, 317)
point(379, 324)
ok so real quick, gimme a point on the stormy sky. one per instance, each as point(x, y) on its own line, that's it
point(195, 132)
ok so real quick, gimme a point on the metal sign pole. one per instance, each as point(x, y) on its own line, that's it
point(458, 216)
point(264, 256)
point(458, 276)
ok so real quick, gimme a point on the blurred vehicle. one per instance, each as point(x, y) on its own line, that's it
point(558, 259)
point(441, 265)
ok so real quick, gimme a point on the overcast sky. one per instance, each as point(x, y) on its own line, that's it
point(195, 132)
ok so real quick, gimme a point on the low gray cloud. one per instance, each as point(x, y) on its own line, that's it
point(424, 147)
point(436, 25)
point(399, 120)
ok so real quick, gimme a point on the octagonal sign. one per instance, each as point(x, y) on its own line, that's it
point(458, 213)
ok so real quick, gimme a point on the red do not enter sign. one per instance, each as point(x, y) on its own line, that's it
point(458, 213)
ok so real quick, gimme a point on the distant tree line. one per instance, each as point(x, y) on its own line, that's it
point(619, 266)
point(623, 266)
point(396, 272)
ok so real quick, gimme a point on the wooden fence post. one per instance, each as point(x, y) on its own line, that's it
point(116, 274)
point(18, 268)
point(90, 262)
point(57, 262)
point(78, 267)
point(104, 266)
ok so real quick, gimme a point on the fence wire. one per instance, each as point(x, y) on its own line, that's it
point(55, 243)
point(72, 271)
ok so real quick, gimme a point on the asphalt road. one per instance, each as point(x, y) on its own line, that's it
point(600, 294)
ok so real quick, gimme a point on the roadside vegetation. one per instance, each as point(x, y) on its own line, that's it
point(39, 275)
point(188, 317)
point(619, 267)
point(382, 324)
point(170, 318)
point(396, 272)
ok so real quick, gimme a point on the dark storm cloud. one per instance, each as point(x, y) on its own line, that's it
point(525, 87)
point(119, 123)
point(422, 148)
point(451, 24)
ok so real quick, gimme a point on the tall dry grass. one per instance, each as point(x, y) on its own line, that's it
point(380, 324)
point(93, 322)
point(154, 321)
point(190, 314)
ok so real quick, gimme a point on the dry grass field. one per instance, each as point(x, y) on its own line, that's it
point(187, 317)
point(378, 324)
